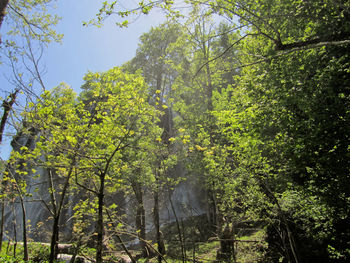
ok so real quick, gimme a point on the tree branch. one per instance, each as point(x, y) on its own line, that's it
point(7, 105)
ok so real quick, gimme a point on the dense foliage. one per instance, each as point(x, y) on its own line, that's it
point(257, 108)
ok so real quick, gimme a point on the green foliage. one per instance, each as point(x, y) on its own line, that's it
point(30, 25)
point(37, 253)
point(260, 106)
point(30, 18)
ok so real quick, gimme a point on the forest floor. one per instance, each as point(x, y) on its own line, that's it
point(249, 249)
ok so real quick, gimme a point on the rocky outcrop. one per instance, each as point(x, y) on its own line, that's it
point(188, 200)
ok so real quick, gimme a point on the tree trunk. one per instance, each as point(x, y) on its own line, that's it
point(3, 5)
point(2, 219)
point(182, 241)
point(54, 240)
point(24, 220)
point(99, 227)
point(7, 105)
point(140, 220)
point(227, 248)
point(212, 210)
point(55, 226)
point(14, 228)
point(160, 242)
point(57, 211)
point(25, 243)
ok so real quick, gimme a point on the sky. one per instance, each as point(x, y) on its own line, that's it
point(84, 49)
point(91, 48)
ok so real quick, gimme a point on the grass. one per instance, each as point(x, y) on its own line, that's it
point(251, 252)
point(37, 253)
point(246, 251)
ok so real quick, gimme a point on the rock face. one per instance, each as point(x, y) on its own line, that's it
point(188, 199)
point(38, 217)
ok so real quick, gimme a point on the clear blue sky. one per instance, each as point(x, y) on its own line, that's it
point(91, 48)
point(84, 49)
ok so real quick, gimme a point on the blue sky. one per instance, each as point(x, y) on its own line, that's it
point(90, 48)
point(84, 49)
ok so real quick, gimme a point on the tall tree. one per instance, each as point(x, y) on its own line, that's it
point(155, 58)
point(49, 124)
point(122, 117)
point(29, 29)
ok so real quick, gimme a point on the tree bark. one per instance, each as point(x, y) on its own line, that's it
point(55, 227)
point(3, 5)
point(14, 228)
point(160, 242)
point(54, 240)
point(99, 227)
point(2, 215)
point(311, 42)
point(7, 105)
point(140, 220)
point(24, 222)
point(182, 241)
point(227, 252)
point(57, 212)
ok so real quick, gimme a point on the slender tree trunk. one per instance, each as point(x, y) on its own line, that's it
point(57, 212)
point(182, 243)
point(14, 228)
point(15, 243)
point(54, 239)
point(99, 227)
point(24, 222)
point(160, 242)
point(140, 220)
point(3, 5)
point(227, 249)
point(2, 219)
point(209, 82)
point(55, 226)
point(213, 213)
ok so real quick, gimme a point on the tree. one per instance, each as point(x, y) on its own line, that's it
point(26, 22)
point(155, 58)
point(28, 29)
point(265, 105)
point(28, 19)
point(292, 74)
point(300, 94)
point(51, 123)
point(82, 141)
point(3, 5)
point(122, 118)
point(7, 105)
point(18, 188)
point(202, 79)
point(285, 59)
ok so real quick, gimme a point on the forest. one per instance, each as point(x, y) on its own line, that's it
point(224, 139)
